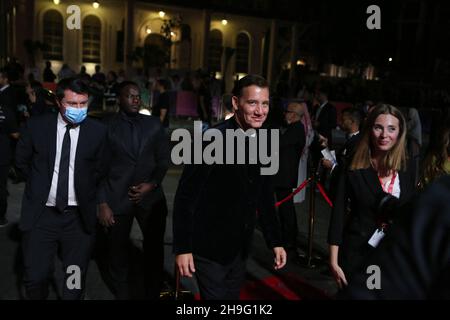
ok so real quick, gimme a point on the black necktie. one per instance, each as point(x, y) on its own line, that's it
point(134, 137)
point(62, 191)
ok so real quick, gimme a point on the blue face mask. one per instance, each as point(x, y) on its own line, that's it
point(75, 115)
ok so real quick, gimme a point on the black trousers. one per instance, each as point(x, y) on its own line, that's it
point(153, 225)
point(3, 190)
point(217, 281)
point(55, 230)
point(288, 218)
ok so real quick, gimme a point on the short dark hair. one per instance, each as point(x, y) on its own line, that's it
point(247, 81)
point(35, 85)
point(227, 102)
point(5, 72)
point(297, 100)
point(125, 84)
point(76, 85)
point(164, 83)
point(354, 114)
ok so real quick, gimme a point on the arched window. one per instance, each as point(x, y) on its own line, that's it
point(185, 32)
point(215, 51)
point(92, 29)
point(156, 51)
point(53, 35)
point(242, 53)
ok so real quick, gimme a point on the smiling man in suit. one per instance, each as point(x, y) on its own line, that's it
point(60, 155)
point(212, 234)
point(138, 149)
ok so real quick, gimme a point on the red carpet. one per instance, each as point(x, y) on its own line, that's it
point(287, 286)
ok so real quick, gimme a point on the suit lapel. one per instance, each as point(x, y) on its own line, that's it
point(404, 185)
point(145, 135)
point(119, 134)
point(83, 138)
point(51, 138)
point(371, 179)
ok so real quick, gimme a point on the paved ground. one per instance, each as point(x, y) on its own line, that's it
point(259, 266)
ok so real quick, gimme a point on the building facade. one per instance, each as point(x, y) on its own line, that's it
point(131, 35)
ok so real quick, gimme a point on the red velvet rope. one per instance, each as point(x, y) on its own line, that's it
point(302, 186)
point(299, 188)
point(324, 194)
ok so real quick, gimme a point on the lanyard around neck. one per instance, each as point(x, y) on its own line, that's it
point(391, 184)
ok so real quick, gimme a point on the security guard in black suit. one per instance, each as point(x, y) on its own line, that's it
point(8, 130)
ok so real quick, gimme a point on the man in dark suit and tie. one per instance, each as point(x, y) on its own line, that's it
point(138, 149)
point(324, 122)
point(60, 156)
point(292, 142)
point(7, 93)
point(8, 130)
point(351, 121)
point(325, 117)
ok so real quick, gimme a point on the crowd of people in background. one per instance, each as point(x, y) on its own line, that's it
point(378, 168)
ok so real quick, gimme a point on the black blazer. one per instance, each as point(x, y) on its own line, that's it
point(414, 258)
point(216, 209)
point(292, 142)
point(126, 170)
point(8, 99)
point(360, 190)
point(8, 125)
point(35, 161)
point(327, 121)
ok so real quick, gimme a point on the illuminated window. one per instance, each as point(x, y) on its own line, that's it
point(92, 29)
point(53, 35)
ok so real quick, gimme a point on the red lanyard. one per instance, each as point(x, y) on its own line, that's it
point(391, 184)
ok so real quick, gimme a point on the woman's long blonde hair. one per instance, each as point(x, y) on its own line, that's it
point(395, 159)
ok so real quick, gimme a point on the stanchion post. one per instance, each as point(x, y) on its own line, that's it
point(177, 283)
point(312, 209)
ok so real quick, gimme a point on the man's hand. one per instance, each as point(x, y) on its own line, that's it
point(280, 257)
point(323, 141)
point(185, 264)
point(105, 215)
point(136, 193)
point(327, 164)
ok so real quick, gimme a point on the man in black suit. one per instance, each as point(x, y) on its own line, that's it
point(8, 130)
point(60, 155)
point(7, 94)
point(351, 121)
point(324, 122)
point(325, 117)
point(212, 234)
point(138, 149)
point(292, 142)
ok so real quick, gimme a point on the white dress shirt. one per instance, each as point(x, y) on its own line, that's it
point(320, 109)
point(74, 133)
